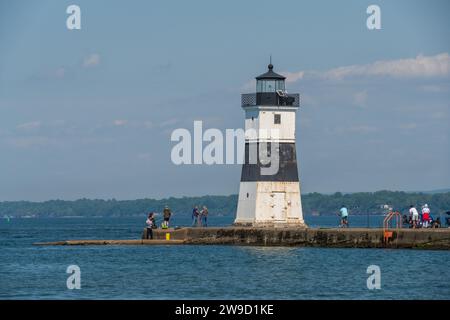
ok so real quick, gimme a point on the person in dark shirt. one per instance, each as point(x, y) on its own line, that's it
point(195, 215)
point(166, 215)
point(150, 225)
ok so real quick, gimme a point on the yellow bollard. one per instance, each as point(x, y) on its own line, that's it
point(167, 236)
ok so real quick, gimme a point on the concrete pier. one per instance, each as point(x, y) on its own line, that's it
point(302, 237)
point(82, 242)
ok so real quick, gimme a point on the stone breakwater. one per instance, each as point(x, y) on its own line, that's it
point(302, 237)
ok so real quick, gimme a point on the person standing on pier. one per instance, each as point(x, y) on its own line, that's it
point(414, 216)
point(166, 215)
point(344, 217)
point(195, 215)
point(204, 217)
point(425, 215)
point(150, 223)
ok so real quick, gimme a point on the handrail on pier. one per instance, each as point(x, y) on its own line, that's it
point(387, 235)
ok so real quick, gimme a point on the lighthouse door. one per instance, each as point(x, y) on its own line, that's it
point(279, 210)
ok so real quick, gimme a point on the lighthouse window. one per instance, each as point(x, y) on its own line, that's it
point(268, 85)
point(280, 85)
point(277, 118)
point(259, 86)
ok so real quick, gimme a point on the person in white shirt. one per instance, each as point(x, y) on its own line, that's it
point(344, 217)
point(414, 215)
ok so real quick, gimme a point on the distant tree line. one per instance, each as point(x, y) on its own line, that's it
point(217, 205)
point(313, 203)
point(373, 202)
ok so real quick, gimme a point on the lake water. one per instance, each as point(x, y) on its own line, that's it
point(205, 272)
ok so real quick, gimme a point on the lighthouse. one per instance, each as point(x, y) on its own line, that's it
point(270, 198)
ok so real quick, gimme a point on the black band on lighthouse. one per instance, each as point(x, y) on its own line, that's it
point(287, 171)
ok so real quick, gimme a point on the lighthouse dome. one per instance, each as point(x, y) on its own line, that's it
point(270, 81)
point(270, 74)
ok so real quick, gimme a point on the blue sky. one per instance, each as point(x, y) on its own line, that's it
point(89, 113)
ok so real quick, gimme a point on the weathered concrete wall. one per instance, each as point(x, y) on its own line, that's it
point(341, 238)
point(326, 238)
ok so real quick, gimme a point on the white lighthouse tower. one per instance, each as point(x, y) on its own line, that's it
point(270, 199)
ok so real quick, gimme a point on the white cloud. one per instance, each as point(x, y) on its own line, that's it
point(418, 67)
point(29, 125)
point(120, 122)
point(169, 122)
point(421, 66)
point(28, 142)
point(91, 61)
point(293, 76)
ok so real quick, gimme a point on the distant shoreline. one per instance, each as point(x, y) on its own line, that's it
point(140, 216)
point(313, 204)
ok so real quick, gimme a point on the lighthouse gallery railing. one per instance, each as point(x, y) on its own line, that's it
point(250, 99)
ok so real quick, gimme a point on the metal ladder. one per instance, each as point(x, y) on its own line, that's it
point(388, 234)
